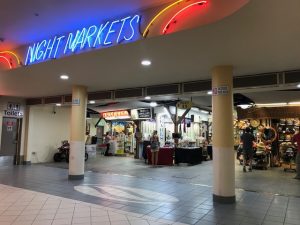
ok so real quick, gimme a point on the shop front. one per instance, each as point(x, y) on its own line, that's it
point(273, 129)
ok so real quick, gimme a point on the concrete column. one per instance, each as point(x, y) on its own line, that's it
point(77, 144)
point(223, 140)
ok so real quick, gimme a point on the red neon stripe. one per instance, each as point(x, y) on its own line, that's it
point(7, 60)
point(180, 11)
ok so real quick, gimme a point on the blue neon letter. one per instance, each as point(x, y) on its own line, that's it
point(89, 34)
point(39, 53)
point(110, 31)
point(79, 38)
point(98, 38)
point(30, 55)
point(137, 18)
point(49, 48)
point(70, 42)
point(123, 23)
point(57, 46)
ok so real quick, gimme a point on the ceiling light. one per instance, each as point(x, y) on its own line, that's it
point(146, 62)
point(209, 92)
point(58, 104)
point(298, 86)
point(153, 104)
point(272, 104)
point(205, 112)
point(92, 102)
point(147, 97)
point(244, 106)
point(294, 103)
point(64, 77)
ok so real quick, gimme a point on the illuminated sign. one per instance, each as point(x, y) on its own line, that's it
point(124, 114)
point(137, 114)
point(95, 36)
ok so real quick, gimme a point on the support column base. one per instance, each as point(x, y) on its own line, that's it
point(224, 200)
point(76, 177)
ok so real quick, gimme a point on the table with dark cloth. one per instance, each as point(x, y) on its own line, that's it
point(165, 156)
point(190, 155)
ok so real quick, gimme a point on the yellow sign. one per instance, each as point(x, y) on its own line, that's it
point(184, 105)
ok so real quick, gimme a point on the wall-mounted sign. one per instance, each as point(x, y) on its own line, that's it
point(138, 114)
point(184, 104)
point(76, 101)
point(115, 115)
point(13, 110)
point(222, 90)
point(105, 34)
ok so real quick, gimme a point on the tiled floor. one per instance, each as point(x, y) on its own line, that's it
point(137, 196)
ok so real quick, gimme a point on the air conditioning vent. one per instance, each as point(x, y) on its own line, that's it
point(53, 100)
point(68, 98)
point(255, 80)
point(292, 76)
point(163, 89)
point(129, 93)
point(100, 95)
point(197, 86)
point(34, 101)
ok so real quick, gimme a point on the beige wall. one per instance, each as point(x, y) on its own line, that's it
point(46, 131)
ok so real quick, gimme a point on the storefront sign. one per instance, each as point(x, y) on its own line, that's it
point(13, 110)
point(222, 90)
point(184, 105)
point(106, 34)
point(269, 112)
point(137, 114)
point(124, 114)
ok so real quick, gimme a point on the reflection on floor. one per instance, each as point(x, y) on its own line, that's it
point(24, 207)
point(126, 191)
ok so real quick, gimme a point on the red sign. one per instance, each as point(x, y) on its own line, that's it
point(116, 114)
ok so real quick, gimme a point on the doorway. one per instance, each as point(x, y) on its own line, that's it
point(10, 141)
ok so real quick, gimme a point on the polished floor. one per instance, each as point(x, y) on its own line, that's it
point(119, 191)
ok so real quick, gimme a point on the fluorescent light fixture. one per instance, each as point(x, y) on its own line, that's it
point(272, 104)
point(294, 103)
point(209, 92)
point(153, 104)
point(298, 86)
point(58, 104)
point(147, 97)
point(205, 112)
point(146, 62)
point(92, 102)
point(64, 77)
point(244, 106)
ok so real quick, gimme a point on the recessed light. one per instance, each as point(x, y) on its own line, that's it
point(153, 104)
point(146, 62)
point(58, 104)
point(298, 86)
point(209, 92)
point(147, 97)
point(92, 102)
point(64, 77)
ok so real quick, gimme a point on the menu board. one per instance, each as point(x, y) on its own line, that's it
point(144, 113)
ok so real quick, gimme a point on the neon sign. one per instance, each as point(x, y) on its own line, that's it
point(106, 34)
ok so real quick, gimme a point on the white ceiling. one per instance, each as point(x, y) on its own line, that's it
point(261, 37)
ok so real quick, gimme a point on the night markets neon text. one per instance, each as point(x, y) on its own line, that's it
point(105, 34)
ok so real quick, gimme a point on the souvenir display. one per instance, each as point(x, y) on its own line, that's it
point(254, 123)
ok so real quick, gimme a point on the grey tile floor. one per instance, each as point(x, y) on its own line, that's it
point(165, 195)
